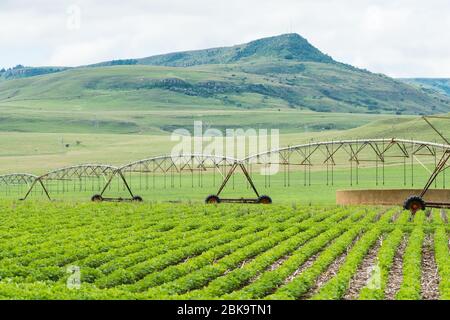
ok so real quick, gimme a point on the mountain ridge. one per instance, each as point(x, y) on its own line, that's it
point(286, 46)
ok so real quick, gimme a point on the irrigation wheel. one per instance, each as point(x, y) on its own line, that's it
point(264, 200)
point(414, 204)
point(211, 199)
point(97, 198)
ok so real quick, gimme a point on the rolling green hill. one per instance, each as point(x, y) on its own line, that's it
point(277, 73)
point(441, 85)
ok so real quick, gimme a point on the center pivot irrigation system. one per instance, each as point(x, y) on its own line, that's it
point(294, 168)
point(416, 203)
point(176, 164)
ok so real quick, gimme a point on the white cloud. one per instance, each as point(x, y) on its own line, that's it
point(397, 37)
point(76, 54)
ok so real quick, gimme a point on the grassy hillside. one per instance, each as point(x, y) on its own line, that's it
point(40, 152)
point(25, 151)
point(283, 72)
point(319, 87)
point(441, 85)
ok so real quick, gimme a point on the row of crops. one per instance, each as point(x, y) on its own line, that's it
point(167, 251)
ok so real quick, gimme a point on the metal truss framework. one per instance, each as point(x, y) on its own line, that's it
point(354, 149)
point(173, 164)
point(17, 179)
point(72, 173)
point(355, 152)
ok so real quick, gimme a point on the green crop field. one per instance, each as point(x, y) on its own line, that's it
point(165, 251)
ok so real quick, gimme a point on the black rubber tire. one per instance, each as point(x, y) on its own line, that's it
point(414, 204)
point(97, 198)
point(137, 199)
point(211, 199)
point(264, 200)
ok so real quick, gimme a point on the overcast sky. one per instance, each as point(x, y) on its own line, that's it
point(401, 38)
